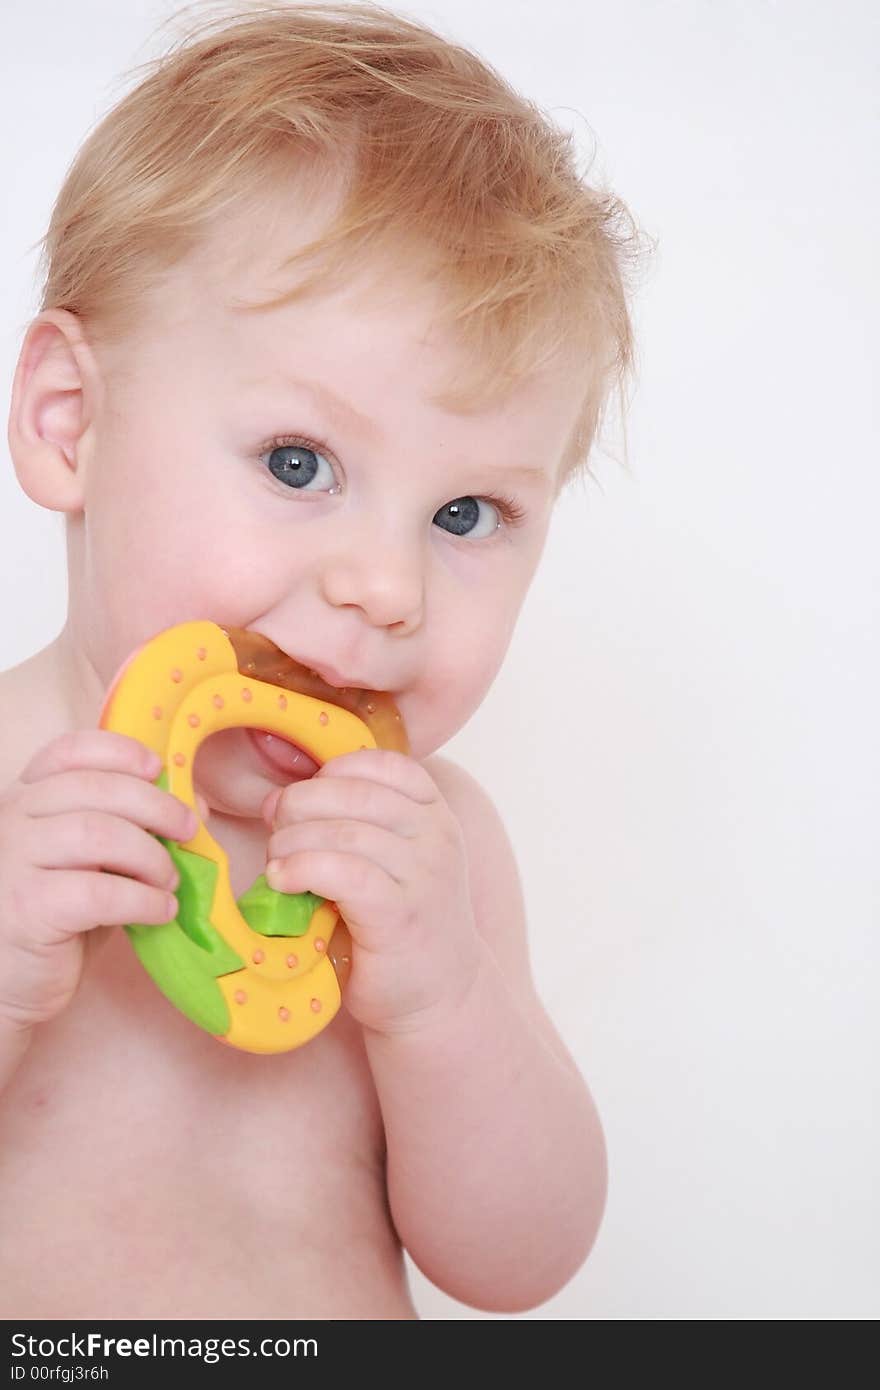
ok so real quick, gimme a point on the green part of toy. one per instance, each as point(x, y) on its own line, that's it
point(195, 894)
point(184, 957)
point(185, 972)
point(277, 914)
point(266, 911)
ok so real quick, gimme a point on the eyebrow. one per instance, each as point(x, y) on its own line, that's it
point(335, 405)
point(353, 420)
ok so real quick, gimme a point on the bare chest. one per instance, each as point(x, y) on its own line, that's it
point(148, 1170)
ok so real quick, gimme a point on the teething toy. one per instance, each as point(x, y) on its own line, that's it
point(262, 973)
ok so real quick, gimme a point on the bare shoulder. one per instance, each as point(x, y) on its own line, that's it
point(13, 704)
point(496, 888)
point(25, 717)
point(472, 804)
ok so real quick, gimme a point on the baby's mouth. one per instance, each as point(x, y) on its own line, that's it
point(282, 756)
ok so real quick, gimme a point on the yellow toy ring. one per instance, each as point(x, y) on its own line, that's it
point(262, 973)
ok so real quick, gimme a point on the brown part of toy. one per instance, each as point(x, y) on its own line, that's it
point(257, 656)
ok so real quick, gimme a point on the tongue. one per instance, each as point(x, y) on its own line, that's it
point(287, 757)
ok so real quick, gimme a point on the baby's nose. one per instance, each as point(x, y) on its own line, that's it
point(386, 582)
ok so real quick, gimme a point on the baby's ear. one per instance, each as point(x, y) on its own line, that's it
point(53, 399)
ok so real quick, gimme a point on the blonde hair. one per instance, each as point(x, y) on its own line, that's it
point(440, 155)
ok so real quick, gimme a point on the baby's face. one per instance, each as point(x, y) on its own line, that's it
point(287, 471)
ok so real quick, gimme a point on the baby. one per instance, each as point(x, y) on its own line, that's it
point(329, 319)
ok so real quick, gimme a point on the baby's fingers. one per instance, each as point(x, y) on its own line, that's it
point(92, 748)
point(368, 897)
point(77, 900)
point(133, 798)
point(95, 840)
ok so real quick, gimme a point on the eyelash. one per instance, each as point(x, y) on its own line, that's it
point(509, 509)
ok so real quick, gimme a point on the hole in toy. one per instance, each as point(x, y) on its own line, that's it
point(224, 756)
point(283, 755)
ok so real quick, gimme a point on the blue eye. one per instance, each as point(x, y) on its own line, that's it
point(297, 466)
point(303, 465)
point(462, 517)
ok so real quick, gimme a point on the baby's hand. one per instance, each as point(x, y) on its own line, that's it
point(85, 803)
point(372, 833)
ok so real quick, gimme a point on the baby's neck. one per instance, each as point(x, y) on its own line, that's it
point(54, 691)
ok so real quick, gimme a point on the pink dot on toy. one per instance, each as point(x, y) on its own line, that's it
point(293, 962)
point(240, 996)
point(202, 653)
point(258, 957)
point(320, 944)
point(283, 1014)
point(179, 760)
point(177, 675)
point(217, 701)
point(157, 711)
point(323, 717)
point(282, 702)
point(247, 695)
point(193, 721)
point(315, 1006)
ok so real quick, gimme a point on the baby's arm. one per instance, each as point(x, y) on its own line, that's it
point(496, 1161)
point(496, 1158)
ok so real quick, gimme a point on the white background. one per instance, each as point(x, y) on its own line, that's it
point(683, 740)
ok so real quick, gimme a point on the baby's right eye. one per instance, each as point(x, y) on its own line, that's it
point(298, 465)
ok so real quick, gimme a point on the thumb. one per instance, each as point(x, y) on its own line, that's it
point(270, 804)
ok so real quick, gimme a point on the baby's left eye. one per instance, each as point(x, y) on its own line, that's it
point(462, 517)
